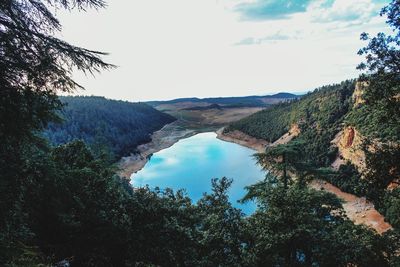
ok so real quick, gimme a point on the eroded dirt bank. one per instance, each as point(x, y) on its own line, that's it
point(358, 209)
point(242, 139)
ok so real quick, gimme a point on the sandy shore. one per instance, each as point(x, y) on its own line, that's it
point(162, 139)
point(242, 139)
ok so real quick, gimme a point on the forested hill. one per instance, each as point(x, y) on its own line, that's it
point(319, 115)
point(351, 130)
point(117, 126)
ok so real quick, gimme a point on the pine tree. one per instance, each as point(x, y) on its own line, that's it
point(34, 66)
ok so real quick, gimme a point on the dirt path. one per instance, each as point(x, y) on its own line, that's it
point(358, 209)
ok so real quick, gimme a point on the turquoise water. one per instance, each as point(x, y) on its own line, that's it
point(191, 164)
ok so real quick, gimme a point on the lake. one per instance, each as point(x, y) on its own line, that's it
point(191, 163)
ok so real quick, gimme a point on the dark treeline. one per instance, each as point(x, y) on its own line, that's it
point(79, 212)
point(116, 126)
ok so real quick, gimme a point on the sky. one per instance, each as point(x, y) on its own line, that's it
point(167, 49)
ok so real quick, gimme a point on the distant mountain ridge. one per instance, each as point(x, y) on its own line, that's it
point(250, 101)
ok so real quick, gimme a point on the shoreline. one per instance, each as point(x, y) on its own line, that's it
point(172, 133)
point(161, 139)
point(242, 139)
point(357, 209)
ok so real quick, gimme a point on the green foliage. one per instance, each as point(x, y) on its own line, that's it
point(348, 179)
point(391, 207)
point(221, 226)
point(379, 116)
point(34, 66)
point(75, 209)
point(79, 211)
point(287, 162)
point(319, 115)
point(269, 124)
point(298, 226)
point(115, 126)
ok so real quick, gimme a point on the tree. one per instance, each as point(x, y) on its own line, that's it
point(378, 118)
point(298, 226)
point(34, 66)
point(286, 162)
point(382, 93)
point(221, 226)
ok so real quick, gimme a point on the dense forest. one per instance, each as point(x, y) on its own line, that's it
point(116, 126)
point(318, 114)
point(66, 206)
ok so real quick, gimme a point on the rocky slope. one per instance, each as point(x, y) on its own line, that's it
point(349, 141)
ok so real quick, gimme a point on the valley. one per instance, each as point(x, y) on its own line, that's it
point(188, 124)
point(179, 152)
point(196, 116)
point(211, 119)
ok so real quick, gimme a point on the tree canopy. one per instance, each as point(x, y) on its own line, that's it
point(115, 126)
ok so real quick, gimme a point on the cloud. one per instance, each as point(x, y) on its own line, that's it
point(321, 11)
point(344, 11)
point(271, 9)
point(247, 41)
point(273, 38)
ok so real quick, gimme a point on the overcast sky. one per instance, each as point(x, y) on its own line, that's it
point(168, 49)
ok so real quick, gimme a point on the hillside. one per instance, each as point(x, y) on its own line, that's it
point(117, 126)
point(318, 114)
point(354, 140)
